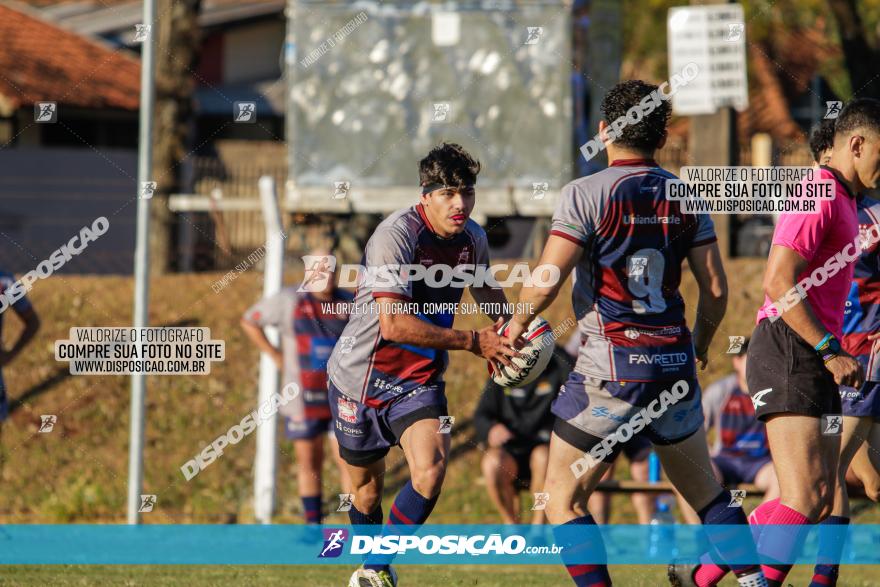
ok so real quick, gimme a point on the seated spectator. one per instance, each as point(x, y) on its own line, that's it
point(514, 425)
point(740, 453)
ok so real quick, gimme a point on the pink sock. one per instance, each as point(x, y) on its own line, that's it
point(709, 574)
point(763, 512)
point(780, 515)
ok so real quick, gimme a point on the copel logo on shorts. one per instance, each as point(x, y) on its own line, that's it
point(348, 431)
point(347, 410)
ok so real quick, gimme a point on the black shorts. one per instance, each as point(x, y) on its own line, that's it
point(786, 375)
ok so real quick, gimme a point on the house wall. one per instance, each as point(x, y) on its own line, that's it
point(48, 195)
point(253, 52)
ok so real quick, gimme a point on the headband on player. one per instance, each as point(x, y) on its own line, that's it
point(427, 189)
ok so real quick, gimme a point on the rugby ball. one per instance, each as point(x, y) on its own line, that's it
point(536, 355)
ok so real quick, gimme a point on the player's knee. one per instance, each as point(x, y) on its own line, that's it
point(428, 480)
point(367, 497)
point(811, 501)
point(821, 506)
point(539, 457)
point(492, 464)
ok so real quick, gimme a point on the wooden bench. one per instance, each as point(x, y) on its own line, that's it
point(627, 486)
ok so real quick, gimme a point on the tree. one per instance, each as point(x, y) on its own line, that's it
point(177, 51)
point(860, 56)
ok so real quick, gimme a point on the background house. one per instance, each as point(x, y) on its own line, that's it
point(56, 177)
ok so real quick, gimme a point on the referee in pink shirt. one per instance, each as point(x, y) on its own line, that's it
point(795, 363)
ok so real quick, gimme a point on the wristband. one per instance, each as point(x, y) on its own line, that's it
point(823, 341)
point(475, 341)
point(828, 347)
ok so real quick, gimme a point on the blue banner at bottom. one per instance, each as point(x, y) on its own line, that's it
point(433, 544)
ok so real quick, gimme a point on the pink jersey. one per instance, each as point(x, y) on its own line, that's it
point(818, 238)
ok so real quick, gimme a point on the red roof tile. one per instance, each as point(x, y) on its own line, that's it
point(39, 61)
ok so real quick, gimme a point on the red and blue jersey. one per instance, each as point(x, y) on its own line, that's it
point(731, 412)
point(625, 290)
point(862, 314)
point(310, 328)
point(375, 370)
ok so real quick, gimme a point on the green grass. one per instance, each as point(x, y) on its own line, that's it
point(433, 576)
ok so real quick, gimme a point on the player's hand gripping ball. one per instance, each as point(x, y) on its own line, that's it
point(535, 355)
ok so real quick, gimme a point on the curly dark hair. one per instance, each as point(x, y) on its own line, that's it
point(822, 138)
point(448, 164)
point(646, 134)
point(860, 113)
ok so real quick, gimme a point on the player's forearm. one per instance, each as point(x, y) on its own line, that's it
point(803, 321)
point(800, 316)
point(258, 337)
point(407, 329)
point(533, 301)
point(492, 299)
point(710, 311)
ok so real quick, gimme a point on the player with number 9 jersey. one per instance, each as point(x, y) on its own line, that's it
point(625, 293)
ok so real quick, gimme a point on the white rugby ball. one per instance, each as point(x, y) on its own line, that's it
point(536, 354)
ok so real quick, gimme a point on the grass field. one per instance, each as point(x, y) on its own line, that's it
point(436, 576)
point(77, 473)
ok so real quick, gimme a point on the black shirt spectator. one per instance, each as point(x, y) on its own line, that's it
point(514, 426)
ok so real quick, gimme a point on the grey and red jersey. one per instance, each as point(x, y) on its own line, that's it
point(625, 289)
point(371, 369)
point(309, 330)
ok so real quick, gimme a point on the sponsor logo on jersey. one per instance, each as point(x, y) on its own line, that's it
point(666, 359)
point(634, 219)
point(634, 333)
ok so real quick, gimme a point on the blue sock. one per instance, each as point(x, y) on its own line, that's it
point(730, 544)
point(409, 511)
point(410, 507)
point(358, 518)
point(312, 509)
point(578, 544)
point(830, 548)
